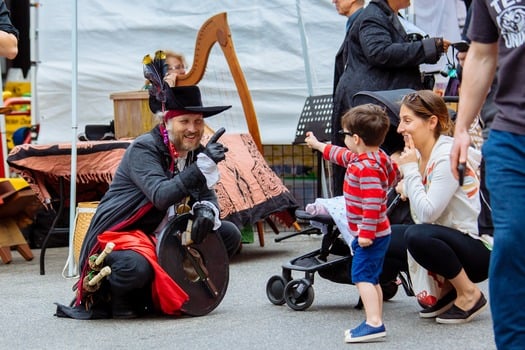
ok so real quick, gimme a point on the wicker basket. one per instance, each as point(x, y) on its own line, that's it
point(84, 214)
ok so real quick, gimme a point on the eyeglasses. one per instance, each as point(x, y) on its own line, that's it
point(345, 133)
point(177, 67)
point(413, 96)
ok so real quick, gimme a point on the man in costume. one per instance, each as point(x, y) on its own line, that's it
point(162, 173)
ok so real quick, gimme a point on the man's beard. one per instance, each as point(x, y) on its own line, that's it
point(182, 146)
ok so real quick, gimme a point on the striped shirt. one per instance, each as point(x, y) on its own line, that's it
point(367, 180)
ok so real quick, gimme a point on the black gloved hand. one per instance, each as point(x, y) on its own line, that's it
point(203, 220)
point(216, 151)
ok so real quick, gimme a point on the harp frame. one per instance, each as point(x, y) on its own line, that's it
point(217, 30)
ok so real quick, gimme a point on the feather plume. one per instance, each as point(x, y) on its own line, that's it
point(154, 70)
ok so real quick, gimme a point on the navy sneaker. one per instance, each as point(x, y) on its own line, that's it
point(364, 332)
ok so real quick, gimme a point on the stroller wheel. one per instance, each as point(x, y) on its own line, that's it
point(389, 290)
point(275, 289)
point(299, 294)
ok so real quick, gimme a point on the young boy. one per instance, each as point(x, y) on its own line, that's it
point(369, 174)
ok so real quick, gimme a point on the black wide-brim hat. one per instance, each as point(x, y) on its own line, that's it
point(185, 98)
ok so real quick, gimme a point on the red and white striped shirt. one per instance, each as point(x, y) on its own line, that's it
point(367, 180)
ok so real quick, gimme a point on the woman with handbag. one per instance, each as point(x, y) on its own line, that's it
point(445, 238)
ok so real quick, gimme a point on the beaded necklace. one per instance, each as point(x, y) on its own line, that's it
point(174, 168)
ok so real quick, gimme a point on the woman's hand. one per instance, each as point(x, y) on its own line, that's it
point(170, 78)
point(400, 190)
point(409, 154)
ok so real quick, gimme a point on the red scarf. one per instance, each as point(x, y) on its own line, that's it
point(166, 294)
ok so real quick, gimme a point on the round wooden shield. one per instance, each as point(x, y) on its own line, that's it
point(201, 270)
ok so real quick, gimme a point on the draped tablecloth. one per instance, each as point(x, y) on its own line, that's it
point(249, 191)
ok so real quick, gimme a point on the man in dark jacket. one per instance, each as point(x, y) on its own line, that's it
point(350, 9)
point(162, 172)
point(382, 57)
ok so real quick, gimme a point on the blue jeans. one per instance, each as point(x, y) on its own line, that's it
point(504, 154)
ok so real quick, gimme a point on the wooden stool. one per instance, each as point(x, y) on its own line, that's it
point(11, 236)
point(17, 207)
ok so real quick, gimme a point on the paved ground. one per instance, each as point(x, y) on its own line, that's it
point(244, 320)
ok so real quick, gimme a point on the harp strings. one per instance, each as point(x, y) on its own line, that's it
point(218, 88)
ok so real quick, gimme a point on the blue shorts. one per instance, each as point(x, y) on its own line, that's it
point(367, 263)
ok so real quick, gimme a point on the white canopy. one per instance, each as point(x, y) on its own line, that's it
point(286, 49)
point(274, 40)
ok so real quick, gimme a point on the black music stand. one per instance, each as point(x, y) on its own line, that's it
point(317, 117)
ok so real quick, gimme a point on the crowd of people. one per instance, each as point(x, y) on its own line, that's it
point(167, 172)
point(440, 173)
point(377, 54)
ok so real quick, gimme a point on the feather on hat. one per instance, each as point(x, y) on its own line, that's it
point(180, 98)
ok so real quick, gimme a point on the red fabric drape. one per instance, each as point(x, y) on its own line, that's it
point(167, 295)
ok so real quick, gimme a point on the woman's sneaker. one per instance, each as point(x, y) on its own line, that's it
point(364, 332)
point(441, 306)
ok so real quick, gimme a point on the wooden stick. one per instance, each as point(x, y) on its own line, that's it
point(95, 261)
point(108, 249)
point(90, 283)
point(186, 239)
point(106, 270)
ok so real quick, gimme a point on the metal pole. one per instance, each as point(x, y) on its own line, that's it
point(304, 44)
point(74, 128)
point(33, 45)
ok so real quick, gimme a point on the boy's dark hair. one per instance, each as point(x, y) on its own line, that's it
point(369, 121)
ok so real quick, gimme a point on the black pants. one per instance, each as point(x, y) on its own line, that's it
point(439, 249)
point(131, 274)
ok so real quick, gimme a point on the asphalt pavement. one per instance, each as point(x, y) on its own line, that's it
point(245, 319)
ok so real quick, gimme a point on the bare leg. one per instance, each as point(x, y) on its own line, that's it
point(372, 298)
point(379, 291)
point(467, 291)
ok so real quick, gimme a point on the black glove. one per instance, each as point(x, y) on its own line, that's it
point(216, 151)
point(203, 220)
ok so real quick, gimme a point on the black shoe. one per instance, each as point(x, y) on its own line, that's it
point(456, 315)
point(441, 306)
point(121, 308)
point(124, 314)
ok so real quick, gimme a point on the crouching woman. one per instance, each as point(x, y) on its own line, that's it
point(445, 238)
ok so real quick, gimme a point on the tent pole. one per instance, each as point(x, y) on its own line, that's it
point(304, 44)
point(33, 43)
point(74, 127)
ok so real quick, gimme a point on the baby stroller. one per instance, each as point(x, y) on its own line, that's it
point(333, 259)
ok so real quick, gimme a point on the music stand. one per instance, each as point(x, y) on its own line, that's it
point(316, 116)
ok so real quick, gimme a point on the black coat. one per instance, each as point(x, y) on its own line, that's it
point(342, 54)
point(381, 57)
point(143, 189)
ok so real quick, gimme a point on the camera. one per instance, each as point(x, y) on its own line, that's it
point(413, 37)
point(449, 71)
point(461, 46)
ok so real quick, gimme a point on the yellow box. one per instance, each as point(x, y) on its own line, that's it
point(18, 88)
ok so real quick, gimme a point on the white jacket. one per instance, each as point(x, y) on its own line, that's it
point(437, 198)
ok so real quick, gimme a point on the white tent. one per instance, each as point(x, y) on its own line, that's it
point(285, 49)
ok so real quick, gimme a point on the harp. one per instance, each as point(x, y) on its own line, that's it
point(217, 30)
